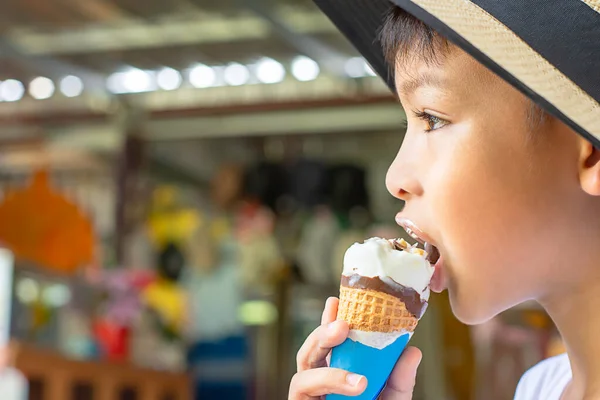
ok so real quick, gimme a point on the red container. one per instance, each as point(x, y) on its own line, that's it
point(113, 340)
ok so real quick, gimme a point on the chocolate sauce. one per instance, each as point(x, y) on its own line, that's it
point(409, 296)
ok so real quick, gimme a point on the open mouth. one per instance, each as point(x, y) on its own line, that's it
point(433, 254)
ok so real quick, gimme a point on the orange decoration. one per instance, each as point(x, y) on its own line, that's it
point(42, 226)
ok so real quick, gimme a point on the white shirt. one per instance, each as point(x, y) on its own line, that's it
point(545, 381)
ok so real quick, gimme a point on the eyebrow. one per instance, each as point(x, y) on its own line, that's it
point(408, 86)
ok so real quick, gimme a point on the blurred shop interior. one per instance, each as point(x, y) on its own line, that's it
point(179, 181)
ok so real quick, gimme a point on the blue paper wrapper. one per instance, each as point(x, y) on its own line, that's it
point(375, 364)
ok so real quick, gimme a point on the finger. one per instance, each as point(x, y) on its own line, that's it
point(314, 383)
point(330, 310)
point(319, 343)
point(401, 383)
point(330, 315)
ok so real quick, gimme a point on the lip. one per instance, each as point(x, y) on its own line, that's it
point(438, 280)
point(413, 230)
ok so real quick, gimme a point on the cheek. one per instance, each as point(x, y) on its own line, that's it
point(483, 206)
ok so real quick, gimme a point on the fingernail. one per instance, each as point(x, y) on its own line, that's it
point(353, 379)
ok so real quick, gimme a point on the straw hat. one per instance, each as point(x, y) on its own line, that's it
point(548, 49)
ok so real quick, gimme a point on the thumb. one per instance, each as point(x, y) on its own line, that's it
point(401, 383)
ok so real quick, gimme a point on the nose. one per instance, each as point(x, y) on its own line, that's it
point(401, 179)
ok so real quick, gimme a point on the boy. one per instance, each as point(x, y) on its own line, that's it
point(492, 172)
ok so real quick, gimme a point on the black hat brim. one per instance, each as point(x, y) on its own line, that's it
point(576, 66)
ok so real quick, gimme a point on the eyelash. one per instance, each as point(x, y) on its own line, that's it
point(431, 120)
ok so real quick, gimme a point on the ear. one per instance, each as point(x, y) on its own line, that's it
point(590, 168)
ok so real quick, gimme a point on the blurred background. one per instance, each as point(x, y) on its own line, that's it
point(179, 181)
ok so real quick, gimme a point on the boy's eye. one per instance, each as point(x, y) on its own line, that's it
point(433, 122)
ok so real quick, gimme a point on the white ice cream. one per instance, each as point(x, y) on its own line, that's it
point(379, 340)
point(377, 257)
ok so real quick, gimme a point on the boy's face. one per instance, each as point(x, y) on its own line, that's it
point(497, 198)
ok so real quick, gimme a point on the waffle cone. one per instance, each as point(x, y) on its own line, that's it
point(373, 311)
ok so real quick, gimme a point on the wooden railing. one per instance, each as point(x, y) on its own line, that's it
point(53, 377)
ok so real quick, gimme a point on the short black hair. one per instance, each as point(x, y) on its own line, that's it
point(403, 36)
point(407, 38)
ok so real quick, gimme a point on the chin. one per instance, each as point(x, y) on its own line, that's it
point(470, 310)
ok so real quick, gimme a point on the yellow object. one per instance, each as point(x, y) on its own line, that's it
point(173, 227)
point(420, 252)
point(169, 223)
point(537, 319)
point(220, 228)
point(460, 354)
point(40, 316)
point(168, 300)
point(164, 197)
point(257, 313)
point(555, 347)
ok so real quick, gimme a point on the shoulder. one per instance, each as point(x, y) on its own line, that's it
point(546, 380)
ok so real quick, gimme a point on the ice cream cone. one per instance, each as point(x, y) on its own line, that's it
point(381, 310)
point(372, 311)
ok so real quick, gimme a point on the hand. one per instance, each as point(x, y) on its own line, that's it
point(401, 383)
point(315, 379)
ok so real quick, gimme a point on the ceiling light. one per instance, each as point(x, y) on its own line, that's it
point(305, 69)
point(136, 81)
point(370, 71)
point(27, 290)
point(114, 83)
point(356, 67)
point(168, 79)
point(56, 295)
point(236, 74)
point(41, 88)
point(11, 90)
point(202, 76)
point(71, 86)
point(270, 71)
